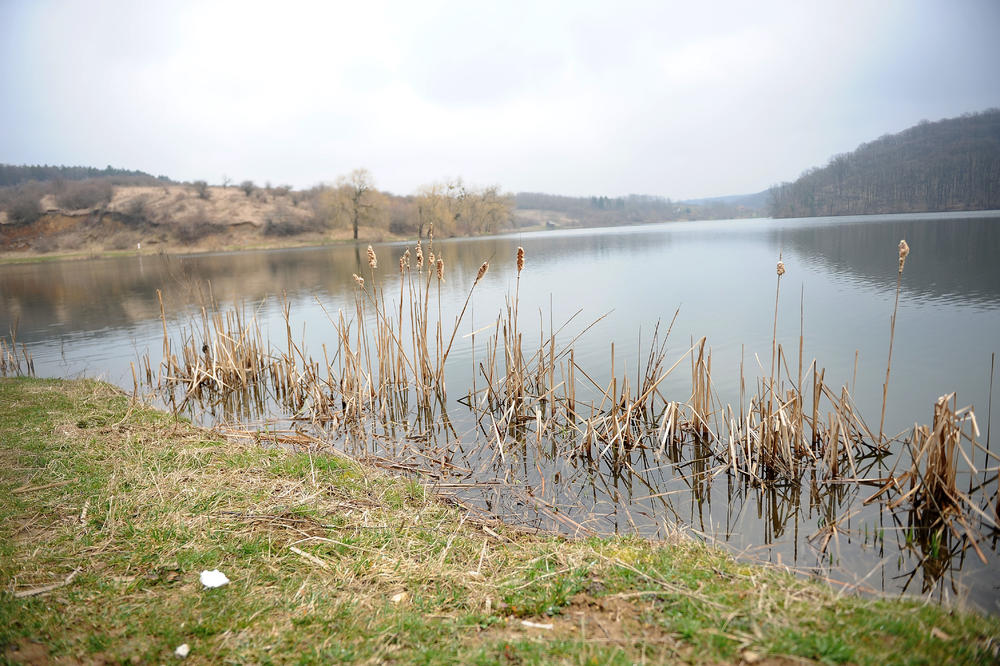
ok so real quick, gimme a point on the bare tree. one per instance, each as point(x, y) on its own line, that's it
point(358, 198)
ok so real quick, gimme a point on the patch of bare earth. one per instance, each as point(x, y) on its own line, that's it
point(616, 620)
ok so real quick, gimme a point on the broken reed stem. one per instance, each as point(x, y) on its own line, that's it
point(904, 250)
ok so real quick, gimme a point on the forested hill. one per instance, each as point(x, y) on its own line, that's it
point(13, 174)
point(951, 164)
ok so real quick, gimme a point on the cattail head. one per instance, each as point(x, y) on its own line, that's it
point(360, 281)
point(420, 256)
point(520, 259)
point(430, 261)
point(406, 257)
point(402, 263)
point(372, 259)
point(904, 250)
point(781, 268)
point(430, 232)
point(440, 267)
point(482, 271)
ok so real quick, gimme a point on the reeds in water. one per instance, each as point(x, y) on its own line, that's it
point(386, 365)
point(12, 362)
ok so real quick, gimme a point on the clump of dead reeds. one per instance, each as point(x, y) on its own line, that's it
point(934, 458)
point(928, 489)
point(222, 358)
point(13, 363)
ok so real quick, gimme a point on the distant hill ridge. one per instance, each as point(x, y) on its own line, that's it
point(948, 165)
point(15, 174)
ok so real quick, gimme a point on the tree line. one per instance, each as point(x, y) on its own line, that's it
point(14, 174)
point(602, 210)
point(951, 164)
point(450, 207)
point(632, 209)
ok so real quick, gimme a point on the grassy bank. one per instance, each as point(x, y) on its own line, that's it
point(109, 512)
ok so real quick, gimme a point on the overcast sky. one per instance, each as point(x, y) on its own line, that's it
point(568, 97)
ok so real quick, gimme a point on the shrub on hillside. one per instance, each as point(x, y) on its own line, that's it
point(136, 211)
point(84, 194)
point(23, 205)
point(193, 228)
point(282, 222)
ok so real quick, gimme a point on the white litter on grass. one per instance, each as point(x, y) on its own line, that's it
point(213, 578)
point(182, 651)
point(536, 625)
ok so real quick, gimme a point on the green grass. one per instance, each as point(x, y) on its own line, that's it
point(138, 504)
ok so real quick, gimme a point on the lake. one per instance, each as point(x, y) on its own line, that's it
point(611, 287)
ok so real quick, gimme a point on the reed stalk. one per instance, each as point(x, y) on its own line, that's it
point(904, 250)
point(774, 337)
point(479, 276)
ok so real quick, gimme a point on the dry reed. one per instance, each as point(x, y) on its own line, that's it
point(384, 357)
point(904, 251)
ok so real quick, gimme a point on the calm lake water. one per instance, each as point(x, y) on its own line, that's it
point(94, 317)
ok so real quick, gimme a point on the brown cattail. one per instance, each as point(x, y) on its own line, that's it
point(430, 261)
point(372, 259)
point(440, 267)
point(904, 250)
point(406, 257)
point(359, 280)
point(781, 268)
point(402, 263)
point(520, 259)
point(420, 256)
point(482, 271)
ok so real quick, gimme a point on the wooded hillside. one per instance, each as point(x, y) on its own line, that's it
point(951, 164)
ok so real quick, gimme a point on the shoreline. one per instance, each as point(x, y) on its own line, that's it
point(110, 510)
point(32, 257)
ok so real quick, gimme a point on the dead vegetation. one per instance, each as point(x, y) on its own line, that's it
point(14, 363)
point(380, 381)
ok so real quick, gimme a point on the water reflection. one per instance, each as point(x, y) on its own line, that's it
point(953, 261)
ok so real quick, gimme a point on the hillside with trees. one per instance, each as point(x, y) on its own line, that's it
point(72, 209)
point(948, 165)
